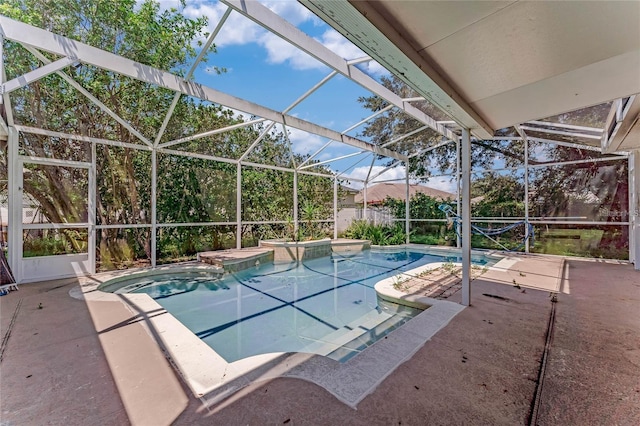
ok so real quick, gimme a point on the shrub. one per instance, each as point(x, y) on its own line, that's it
point(377, 234)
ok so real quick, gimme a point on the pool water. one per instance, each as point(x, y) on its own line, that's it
point(326, 306)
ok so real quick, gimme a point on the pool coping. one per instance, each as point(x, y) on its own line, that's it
point(212, 379)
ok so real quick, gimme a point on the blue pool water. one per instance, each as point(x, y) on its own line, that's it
point(326, 306)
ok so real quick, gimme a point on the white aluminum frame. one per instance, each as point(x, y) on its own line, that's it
point(35, 39)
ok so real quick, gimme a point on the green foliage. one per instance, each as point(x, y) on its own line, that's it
point(52, 242)
point(377, 234)
point(190, 190)
point(502, 196)
point(45, 247)
point(393, 123)
point(422, 206)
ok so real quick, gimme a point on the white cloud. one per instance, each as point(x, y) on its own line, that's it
point(292, 11)
point(239, 30)
point(280, 51)
point(398, 173)
point(339, 45)
point(324, 156)
point(304, 143)
point(442, 183)
point(373, 68)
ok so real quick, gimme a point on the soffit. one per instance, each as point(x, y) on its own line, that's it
point(507, 62)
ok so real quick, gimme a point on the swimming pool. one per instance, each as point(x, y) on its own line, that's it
point(326, 306)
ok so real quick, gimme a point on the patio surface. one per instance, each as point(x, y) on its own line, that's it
point(77, 362)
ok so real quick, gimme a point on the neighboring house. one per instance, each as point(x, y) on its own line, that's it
point(347, 208)
point(30, 214)
point(376, 194)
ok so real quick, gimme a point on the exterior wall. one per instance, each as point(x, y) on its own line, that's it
point(634, 209)
point(346, 216)
point(53, 267)
point(291, 251)
point(376, 215)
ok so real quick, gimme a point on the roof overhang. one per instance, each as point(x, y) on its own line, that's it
point(622, 130)
point(495, 64)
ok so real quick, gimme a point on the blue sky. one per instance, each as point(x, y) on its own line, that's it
point(265, 69)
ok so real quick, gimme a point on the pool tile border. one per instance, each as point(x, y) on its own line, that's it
point(212, 379)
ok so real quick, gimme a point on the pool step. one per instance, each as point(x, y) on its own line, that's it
point(234, 260)
point(354, 337)
point(366, 339)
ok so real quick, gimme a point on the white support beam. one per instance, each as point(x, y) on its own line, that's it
point(37, 74)
point(458, 193)
point(92, 202)
point(81, 89)
point(634, 209)
point(14, 175)
point(331, 160)
point(373, 161)
point(196, 155)
point(348, 140)
point(335, 208)
point(525, 138)
point(465, 163)
point(4, 98)
point(315, 154)
point(292, 156)
point(255, 143)
point(348, 129)
point(406, 135)
point(286, 169)
point(154, 207)
point(239, 206)
point(310, 91)
point(567, 144)
point(359, 60)
point(4, 129)
point(365, 201)
point(527, 242)
point(566, 163)
point(407, 206)
point(386, 169)
point(55, 162)
point(561, 132)
point(45, 40)
point(372, 116)
point(566, 126)
point(296, 224)
point(271, 21)
point(197, 61)
point(210, 133)
point(54, 134)
point(429, 149)
point(355, 164)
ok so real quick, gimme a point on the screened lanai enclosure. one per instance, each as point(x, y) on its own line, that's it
point(160, 133)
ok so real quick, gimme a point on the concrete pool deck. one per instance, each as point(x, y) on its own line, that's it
point(90, 362)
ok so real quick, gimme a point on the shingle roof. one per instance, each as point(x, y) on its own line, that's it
point(376, 194)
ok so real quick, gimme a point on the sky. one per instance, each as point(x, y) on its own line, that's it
point(264, 69)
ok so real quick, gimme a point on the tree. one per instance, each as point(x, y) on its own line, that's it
point(139, 31)
point(501, 196)
point(395, 123)
point(190, 190)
